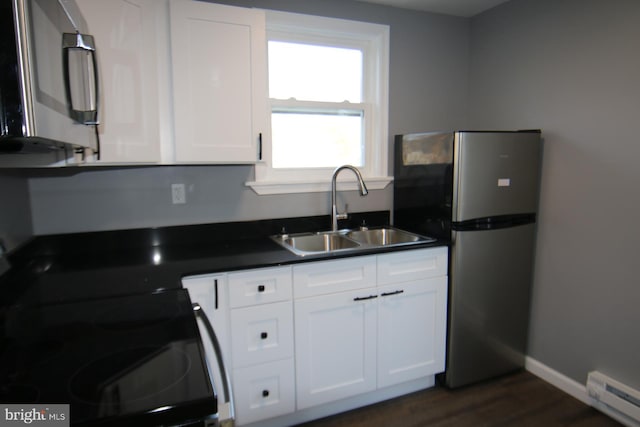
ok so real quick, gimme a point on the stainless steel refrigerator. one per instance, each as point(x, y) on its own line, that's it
point(478, 191)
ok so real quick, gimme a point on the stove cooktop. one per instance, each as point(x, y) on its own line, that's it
point(136, 359)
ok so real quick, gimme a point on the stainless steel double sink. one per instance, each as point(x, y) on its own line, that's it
point(347, 240)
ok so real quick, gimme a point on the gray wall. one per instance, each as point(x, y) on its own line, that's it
point(428, 80)
point(141, 197)
point(571, 68)
point(15, 210)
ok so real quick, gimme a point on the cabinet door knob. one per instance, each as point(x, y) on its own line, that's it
point(265, 393)
point(264, 335)
point(260, 288)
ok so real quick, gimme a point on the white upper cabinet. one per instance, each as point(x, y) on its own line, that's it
point(219, 78)
point(126, 34)
point(181, 81)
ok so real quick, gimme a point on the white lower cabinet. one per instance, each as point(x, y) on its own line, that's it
point(304, 339)
point(261, 320)
point(412, 315)
point(262, 333)
point(393, 331)
point(264, 391)
point(412, 320)
point(335, 343)
point(327, 277)
point(210, 292)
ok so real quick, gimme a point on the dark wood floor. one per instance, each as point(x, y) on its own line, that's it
point(520, 399)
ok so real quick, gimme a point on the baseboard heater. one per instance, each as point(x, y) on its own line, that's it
point(615, 399)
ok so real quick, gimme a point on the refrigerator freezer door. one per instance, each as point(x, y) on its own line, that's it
point(495, 173)
point(489, 303)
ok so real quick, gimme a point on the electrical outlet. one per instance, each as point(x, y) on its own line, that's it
point(178, 194)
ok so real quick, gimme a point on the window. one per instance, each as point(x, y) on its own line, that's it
point(316, 108)
point(328, 98)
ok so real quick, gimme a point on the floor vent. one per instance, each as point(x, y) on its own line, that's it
point(614, 398)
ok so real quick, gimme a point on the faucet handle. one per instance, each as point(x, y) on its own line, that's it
point(345, 214)
point(283, 233)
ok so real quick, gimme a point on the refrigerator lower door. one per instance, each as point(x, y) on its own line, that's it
point(490, 283)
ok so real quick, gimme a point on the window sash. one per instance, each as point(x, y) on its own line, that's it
point(287, 74)
point(343, 108)
point(373, 40)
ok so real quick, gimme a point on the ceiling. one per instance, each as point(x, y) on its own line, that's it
point(465, 8)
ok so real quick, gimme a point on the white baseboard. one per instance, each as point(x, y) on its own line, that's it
point(575, 389)
point(555, 378)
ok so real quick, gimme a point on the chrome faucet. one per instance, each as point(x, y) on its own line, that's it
point(335, 216)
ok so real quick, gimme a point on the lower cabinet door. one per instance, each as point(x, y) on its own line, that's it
point(335, 342)
point(264, 391)
point(411, 330)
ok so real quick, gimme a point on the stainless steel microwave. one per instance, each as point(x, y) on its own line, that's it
point(48, 78)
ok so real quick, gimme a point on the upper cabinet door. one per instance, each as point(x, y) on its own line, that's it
point(219, 81)
point(126, 34)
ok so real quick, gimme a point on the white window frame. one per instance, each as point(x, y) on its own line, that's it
point(373, 39)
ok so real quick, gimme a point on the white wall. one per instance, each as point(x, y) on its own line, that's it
point(572, 68)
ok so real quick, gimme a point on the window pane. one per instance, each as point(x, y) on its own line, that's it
point(314, 73)
point(311, 140)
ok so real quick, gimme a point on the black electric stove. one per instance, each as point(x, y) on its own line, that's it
point(127, 360)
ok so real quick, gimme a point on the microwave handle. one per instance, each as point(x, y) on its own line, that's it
point(224, 374)
point(84, 42)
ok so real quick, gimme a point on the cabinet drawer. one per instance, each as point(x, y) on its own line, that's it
point(412, 265)
point(327, 277)
point(259, 286)
point(262, 333)
point(264, 391)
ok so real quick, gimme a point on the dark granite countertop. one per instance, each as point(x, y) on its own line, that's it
point(74, 304)
point(83, 266)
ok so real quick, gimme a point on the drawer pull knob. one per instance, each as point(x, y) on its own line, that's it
point(264, 335)
point(260, 288)
point(265, 393)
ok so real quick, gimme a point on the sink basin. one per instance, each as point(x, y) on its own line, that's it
point(385, 237)
point(308, 243)
point(348, 240)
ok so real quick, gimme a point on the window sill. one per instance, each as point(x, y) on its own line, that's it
point(263, 188)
